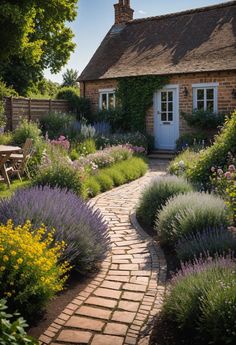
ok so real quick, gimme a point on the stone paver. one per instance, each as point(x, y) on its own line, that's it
point(118, 306)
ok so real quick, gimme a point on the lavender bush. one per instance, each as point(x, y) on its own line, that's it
point(156, 195)
point(79, 225)
point(189, 213)
point(209, 242)
point(201, 305)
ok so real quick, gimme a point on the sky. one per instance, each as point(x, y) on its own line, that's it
point(95, 18)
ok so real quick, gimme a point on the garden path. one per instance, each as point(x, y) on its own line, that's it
point(118, 306)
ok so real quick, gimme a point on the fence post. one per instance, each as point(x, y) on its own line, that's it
point(29, 114)
point(11, 113)
point(50, 105)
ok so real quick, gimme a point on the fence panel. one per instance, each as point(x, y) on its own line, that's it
point(31, 109)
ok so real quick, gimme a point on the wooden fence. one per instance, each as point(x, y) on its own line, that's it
point(31, 109)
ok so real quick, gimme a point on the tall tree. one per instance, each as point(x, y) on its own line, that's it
point(34, 36)
point(70, 77)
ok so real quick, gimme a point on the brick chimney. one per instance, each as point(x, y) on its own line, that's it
point(123, 12)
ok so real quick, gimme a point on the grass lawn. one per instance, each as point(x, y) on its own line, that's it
point(15, 184)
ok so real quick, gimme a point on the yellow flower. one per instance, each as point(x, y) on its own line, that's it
point(19, 261)
point(2, 268)
point(16, 267)
point(13, 253)
point(5, 258)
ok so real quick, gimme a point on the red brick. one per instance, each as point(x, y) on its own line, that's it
point(107, 293)
point(129, 306)
point(116, 329)
point(111, 285)
point(100, 339)
point(75, 337)
point(124, 316)
point(133, 296)
point(102, 302)
point(85, 323)
point(94, 312)
point(134, 287)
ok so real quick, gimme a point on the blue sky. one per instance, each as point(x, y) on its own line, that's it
point(95, 17)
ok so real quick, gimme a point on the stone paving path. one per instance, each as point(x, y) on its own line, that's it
point(118, 306)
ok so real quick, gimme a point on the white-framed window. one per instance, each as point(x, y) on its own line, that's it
point(205, 97)
point(107, 99)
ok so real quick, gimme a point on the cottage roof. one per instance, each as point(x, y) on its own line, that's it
point(198, 40)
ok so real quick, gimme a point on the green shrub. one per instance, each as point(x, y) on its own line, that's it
point(204, 119)
point(182, 163)
point(194, 140)
point(104, 181)
point(4, 91)
point(56, 124)
point(26, 130)
point(117, 177)
point(30, 272)
point(6, 138)
point(91, 187)
point(81, 106)
point(13, 328)
point(74, 155)
point(115, 117)
point(156, 195)
point(86, 147)
point(133, 168)
point(215, 155)
point(59, 175)
point(201, 305)
point(189, 213)
point(132, 138)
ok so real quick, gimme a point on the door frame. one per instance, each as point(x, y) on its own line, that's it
point(175, 105)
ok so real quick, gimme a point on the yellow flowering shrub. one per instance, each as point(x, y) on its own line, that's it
point(29, 271)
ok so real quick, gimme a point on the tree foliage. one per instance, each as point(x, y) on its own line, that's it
point(70, 77)
point(34, 36)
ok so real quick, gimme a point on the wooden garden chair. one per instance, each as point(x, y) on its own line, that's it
point(19, 160)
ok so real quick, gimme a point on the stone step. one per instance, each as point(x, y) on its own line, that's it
point(162, 154)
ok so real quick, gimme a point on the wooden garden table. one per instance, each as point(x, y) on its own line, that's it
point(5, 153)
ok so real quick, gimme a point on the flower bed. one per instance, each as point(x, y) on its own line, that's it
point(74, 222)
point(30, 272)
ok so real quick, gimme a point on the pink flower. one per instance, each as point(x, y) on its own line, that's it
point(232, 168)
point(220, 172)
point(228, 175)
point(213, 169)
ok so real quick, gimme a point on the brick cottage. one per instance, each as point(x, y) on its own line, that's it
point(195, 48)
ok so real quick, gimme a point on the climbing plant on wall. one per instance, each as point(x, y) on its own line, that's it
point(135, 96)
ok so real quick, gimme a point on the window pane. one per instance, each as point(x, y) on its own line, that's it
point(163, 107)
point(170, 106)
point(170, 116)
point(163, 96)
point(111, 98)
point(200, 105)
point(163, 116)
point(210, 105)
point(210, 94)
point(170, 96)
point(200, 94)
point(104, 101)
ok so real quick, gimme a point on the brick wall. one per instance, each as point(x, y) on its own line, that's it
point(226, 102)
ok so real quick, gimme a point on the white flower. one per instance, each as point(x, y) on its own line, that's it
point(181, 164)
